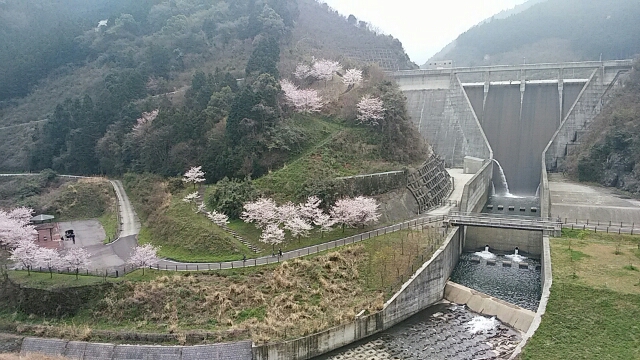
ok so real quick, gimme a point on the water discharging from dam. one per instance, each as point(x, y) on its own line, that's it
point(519, 125)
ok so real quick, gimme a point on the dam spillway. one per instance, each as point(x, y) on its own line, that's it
point(509, 113)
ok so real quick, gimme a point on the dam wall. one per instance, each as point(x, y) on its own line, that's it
point(443, 114)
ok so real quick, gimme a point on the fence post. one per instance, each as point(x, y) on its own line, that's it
point(116, 273)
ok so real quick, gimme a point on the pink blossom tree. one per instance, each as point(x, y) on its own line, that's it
point(272, 234)
point(25, 253)
point(194, 176)
point(370, 110)
point(352, 77)
point(287, 212)
point(302, 100)
point(310, 210)
point(325, 223)
point(262, 212)
point(143, 256)
point(77, 259)
point(354, 212)
point(298, 227)
point(14, 226)
point(324, 69)
point(367, 211)
point(21, 214)
point(48, 258)
point(144, 123)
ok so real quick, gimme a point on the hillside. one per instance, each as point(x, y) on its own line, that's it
point(609, 153)
point(551, 31)
point(145, 49)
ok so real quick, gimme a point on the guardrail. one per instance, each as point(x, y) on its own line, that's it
point(519, 222)
point(168, 265)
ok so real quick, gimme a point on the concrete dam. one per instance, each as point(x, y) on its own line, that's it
point(509, 113)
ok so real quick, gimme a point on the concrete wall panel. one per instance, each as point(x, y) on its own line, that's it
point(504, 240)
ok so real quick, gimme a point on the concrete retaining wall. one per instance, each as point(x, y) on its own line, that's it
point(476, 191)
point(422, 290)
point(84, 350)
point(547, 280)
point(515, 316)
point(503, 240)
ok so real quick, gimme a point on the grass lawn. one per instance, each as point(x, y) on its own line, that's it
point(109, 222)
point(275, 302)
point(42, 280)
point(594, 307)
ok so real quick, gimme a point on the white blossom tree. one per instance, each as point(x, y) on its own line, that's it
point(302, 100)
point(298, 227)
point(272, 234)
point(76, 259)
point(287, 212)
point(192, 199)
point(352, 77)
point(217, 218)
point(48, 258)
point(194, 176)
point(15, 227)
point(303, 71)
point(25, 253)
point(324, 69)
point(370, 110)
point(143, 256)
point(262, 212)
point(325, 223)
point(367, 211)
point(354, 212)
point(310, 210)
point(144, 123)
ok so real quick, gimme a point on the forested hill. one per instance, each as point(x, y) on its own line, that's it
point(75, 71)
point(552, 31)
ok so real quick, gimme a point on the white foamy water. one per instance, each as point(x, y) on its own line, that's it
point(481, 324)
point(487, 255)
point(516, 258)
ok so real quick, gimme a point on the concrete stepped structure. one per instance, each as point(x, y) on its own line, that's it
point(431, 184)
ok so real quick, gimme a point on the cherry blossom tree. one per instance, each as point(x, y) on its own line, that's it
point(302, 100)
point(192, 199)
point(262, 212)
point(367, 211)
point(310, 210)
point(324, 69)
point(144, 123)
point(48, 258)
point(298, 227)
point(77, 259)
point(25, 253)
point(218, 218)
point(303, 71)
point(287, 212)
point(273, 235)
point(352, 77)
point(370, 110)
point(325, 223)
point(354, 212)
point(143, 256)
point(14, 226)
point(195, 175)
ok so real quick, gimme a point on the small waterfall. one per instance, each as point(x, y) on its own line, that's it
point(538, 191)
point(503, 178)
point(493, 188)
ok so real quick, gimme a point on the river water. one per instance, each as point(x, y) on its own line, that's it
point(443, 331)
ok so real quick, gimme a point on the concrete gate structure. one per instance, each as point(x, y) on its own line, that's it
point(510, 113)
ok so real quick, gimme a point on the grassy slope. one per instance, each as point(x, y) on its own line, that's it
point(173, 225)
point(273, 302)
point(594, 306)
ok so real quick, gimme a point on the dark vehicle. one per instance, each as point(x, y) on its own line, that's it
point(69, 234)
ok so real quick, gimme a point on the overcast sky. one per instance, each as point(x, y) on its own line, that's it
point(423, 26)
